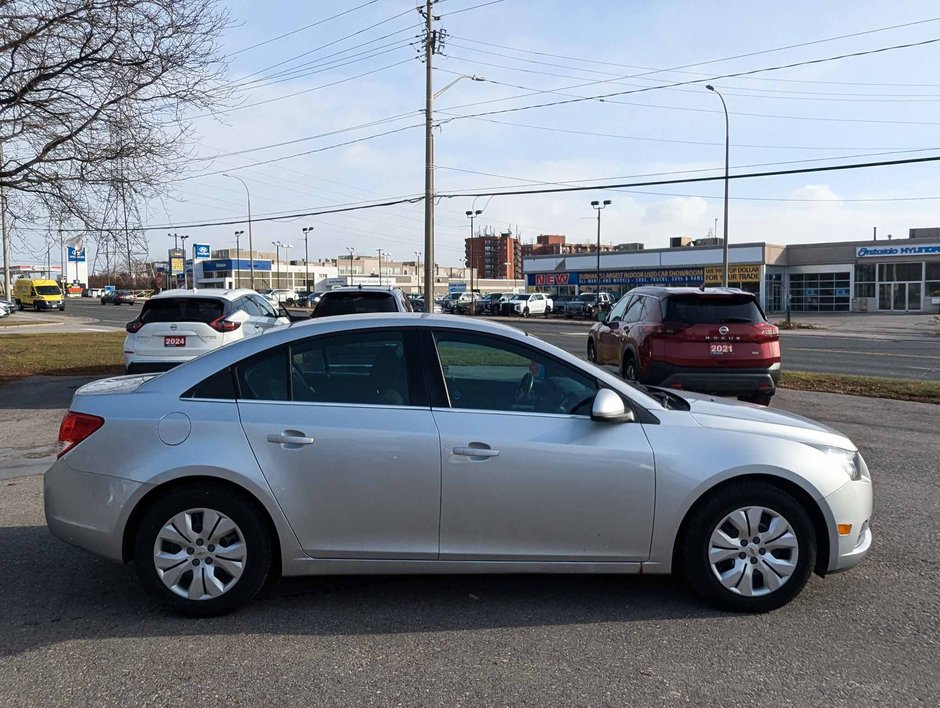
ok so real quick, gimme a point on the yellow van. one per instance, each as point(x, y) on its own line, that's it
point(38, 294)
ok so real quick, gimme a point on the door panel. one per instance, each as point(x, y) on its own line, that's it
point(560, 487)
point(368, 486)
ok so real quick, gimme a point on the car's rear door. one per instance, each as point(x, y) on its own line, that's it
point(341, 427)
point(526, 474)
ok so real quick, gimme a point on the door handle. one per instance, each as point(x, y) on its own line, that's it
point(476, 452)
point(286, 439)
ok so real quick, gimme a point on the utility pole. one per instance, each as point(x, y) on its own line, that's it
point(472, 214)
point(380, 266)
point(352, 251)
point(6, 236)
point(306, 230)
point(185, 276)
point(430, 46)
point(418, 267)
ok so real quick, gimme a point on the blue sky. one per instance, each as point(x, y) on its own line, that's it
point(881, 103)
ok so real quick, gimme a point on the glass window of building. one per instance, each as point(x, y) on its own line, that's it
point(820, 292)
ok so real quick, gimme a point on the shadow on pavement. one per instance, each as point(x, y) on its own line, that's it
point(55, 593)
point(41, 392)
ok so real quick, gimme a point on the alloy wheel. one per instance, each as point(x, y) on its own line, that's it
point(199, 554)
point(753, 551)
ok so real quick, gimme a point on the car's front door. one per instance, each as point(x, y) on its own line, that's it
point(526, 474)
point(609, 334)
point(341, 427)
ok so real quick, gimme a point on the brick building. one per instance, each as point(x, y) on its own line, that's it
point(492, 256)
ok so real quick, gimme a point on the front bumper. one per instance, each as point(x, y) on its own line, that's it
point(850, 504)
point(89, 510)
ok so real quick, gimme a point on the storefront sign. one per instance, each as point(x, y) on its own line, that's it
point(889, 251)
point(76, 255)
point(689, 277)
point(736, 274)
point(234, 264)
point(200, 251)
point(553, 279)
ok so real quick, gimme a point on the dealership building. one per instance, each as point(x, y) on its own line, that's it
point(894, 275)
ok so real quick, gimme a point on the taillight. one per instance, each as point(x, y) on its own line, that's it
point(133, 326)
point(223, 325)
point(76, 427)
point(767, 332)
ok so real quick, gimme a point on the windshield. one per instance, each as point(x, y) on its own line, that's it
point(48, 290)
point(720, 309)
point(352, 303)
point(520, 297)
point(182, 309)
point(588, 297)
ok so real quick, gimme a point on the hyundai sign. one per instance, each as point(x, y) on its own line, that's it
point(76, 255)
point(200, 251)
point(890, 251)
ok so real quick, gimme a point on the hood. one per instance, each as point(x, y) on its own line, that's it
point(730, 414)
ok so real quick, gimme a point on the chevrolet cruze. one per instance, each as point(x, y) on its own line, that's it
point(406, 443)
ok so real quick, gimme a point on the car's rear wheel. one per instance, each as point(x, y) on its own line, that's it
point(290, 302)
point(749, 547)
point(592, 351)
point(205, 551)
point(628, 368)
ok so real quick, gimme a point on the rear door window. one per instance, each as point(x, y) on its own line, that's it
point(182, 309)
point(354, 302)
point(723, 309)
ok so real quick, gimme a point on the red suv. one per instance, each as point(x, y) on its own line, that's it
point(712, 340)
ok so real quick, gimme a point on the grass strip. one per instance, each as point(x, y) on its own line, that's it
point(72, 354)
point(872, 386)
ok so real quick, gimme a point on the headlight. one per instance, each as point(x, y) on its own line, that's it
point(849, 460)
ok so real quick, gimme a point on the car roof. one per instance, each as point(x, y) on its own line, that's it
point(662, 291)
point(360, 288)
point(206, 293)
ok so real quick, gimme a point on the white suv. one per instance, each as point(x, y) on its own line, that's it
point(178, 325)
point(526, 304)
point(281, 296)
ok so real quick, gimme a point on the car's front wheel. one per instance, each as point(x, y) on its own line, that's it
point(592, 351)
point(749, 547)
point(628, 368)
point(205, 551)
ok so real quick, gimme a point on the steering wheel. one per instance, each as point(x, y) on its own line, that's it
point(524, 389)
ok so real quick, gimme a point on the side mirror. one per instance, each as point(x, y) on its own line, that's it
point(608, 408)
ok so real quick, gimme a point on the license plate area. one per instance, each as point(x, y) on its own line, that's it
point(719, 349)
point(174, 341)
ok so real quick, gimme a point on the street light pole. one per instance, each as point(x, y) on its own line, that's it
point(185, 277)
point(351, 252)
point(472, 214)
point(418, 268)
point(251, 250)
point(380, 266)
point(238, 256)
point(277, 260)
point(306, 231)
point(597, 207)
point(724, 243)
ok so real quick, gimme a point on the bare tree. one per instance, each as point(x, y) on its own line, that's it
point(95, 97)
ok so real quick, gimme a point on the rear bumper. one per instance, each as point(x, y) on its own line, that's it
point(89, 510)
point(151, 367)
point(728, 381)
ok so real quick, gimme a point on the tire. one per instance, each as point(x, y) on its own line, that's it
point(290, 302)
point(547, 312)
point(591, 351)
point(35, 305)
point(19, 306)
point(628, 367)
point(761, 399)
point(525, 312)
point(234, 590)
point(784, 532)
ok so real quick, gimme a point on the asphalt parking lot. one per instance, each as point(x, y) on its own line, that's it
point(77, 630)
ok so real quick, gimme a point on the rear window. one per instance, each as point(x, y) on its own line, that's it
point(725, 309)
point(182, 309)
point(354, 303)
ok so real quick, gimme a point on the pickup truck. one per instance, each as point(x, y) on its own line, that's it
point(587, 305)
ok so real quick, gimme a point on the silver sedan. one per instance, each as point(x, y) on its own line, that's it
point(413, 443)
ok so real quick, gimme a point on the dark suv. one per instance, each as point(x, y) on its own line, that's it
point(714, 340)
point(358, 300)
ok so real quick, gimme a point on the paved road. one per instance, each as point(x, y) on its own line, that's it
point(898, 358)
point(893, 355)
point(76, 630)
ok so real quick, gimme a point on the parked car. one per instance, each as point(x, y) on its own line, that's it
point(417, 304)
point(560, 304)
point(489, 304)
point(588, 305)
point(174, 327)
point(449, 301)
point(281, 296)
point(713, 340)
point(318, 448)
point(308, 299)
point(527, 304)
point(118, 297)
point(7, 307)
point(38, 294)
point(358, 300)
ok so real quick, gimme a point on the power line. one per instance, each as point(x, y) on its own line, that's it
point(474, 7)
point(605, 97)
point(301, 29)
